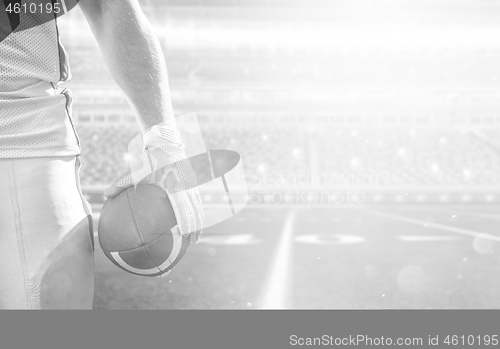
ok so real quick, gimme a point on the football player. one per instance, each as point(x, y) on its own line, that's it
point(46, 235)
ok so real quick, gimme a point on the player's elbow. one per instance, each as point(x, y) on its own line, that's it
point(103, 14)
point(93, 9)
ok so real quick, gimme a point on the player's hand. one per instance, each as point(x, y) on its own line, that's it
point(161, 161)
point(113, 190)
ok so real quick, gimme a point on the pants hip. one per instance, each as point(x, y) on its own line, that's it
point(46, 237)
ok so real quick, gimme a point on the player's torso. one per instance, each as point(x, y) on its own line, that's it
point(34, 113)
point(32, 56)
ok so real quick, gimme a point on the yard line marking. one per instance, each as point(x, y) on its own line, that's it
point(459, 211)
point(276, 289)
point(437, 226)
point(324, 239)
point(239, 239)
point(427, 238)
point(475, 214)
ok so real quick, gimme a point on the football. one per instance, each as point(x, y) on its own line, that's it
point(138, 231)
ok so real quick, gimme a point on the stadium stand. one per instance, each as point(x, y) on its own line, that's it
point(394, 156)
point(392, 114)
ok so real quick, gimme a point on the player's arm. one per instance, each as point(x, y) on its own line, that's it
point(135, 59)
point(133, 55)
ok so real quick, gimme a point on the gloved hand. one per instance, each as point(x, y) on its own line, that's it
point(161, 161)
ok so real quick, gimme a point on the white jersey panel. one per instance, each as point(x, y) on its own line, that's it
point(35, 118)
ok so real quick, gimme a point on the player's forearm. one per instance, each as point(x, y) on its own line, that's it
point(134, 57)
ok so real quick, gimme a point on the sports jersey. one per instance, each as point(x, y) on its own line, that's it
point(35, 113)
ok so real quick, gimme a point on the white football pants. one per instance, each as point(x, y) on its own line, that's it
point(46, 237)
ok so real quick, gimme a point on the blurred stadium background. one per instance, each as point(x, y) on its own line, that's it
point(399, 100)
point(352, 103)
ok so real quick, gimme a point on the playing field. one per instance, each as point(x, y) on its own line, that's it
point(364, 257)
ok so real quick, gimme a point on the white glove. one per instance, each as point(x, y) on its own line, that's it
point(161, 158)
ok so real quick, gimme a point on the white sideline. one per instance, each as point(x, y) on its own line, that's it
point(460, 211)
point(436, 225)
point(477, 214)
point(276, 289)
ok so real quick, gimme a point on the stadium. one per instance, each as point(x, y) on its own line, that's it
point(370, 137)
